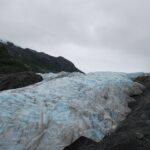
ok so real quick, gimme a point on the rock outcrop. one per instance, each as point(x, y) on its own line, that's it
point(16, 59)
point(132, 134)
point(18, 80)
point(82, 143)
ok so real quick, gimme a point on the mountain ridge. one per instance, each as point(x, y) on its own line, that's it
point(16, 59)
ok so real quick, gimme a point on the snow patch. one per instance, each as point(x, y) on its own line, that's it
point(53, 113)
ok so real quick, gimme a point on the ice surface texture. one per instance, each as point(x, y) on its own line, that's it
point(53, 113)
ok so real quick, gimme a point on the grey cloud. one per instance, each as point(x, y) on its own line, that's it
point(96, 35)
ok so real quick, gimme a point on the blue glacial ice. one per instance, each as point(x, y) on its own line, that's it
point(53, 113)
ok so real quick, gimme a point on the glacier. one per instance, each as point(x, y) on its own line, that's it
point(51, 114)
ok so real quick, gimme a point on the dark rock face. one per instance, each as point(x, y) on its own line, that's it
point(16, 59)
point(133, 133)
point(18, 80)
point(82, 143)
point(144, 80)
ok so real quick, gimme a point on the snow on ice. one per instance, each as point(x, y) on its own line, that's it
point(55, 112)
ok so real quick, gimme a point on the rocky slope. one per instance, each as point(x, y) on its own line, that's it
point(18, 80)
point(132, 134)
point(16, 59)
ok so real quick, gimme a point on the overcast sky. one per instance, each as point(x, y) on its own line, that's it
point(96, 35)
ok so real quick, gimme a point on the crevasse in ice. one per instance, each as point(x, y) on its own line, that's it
point(53, 113)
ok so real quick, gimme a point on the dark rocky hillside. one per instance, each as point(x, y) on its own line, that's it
point(132, 134)
point(16, 59)
point(18, 80)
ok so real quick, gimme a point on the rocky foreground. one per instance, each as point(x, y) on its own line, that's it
point(132, 134)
